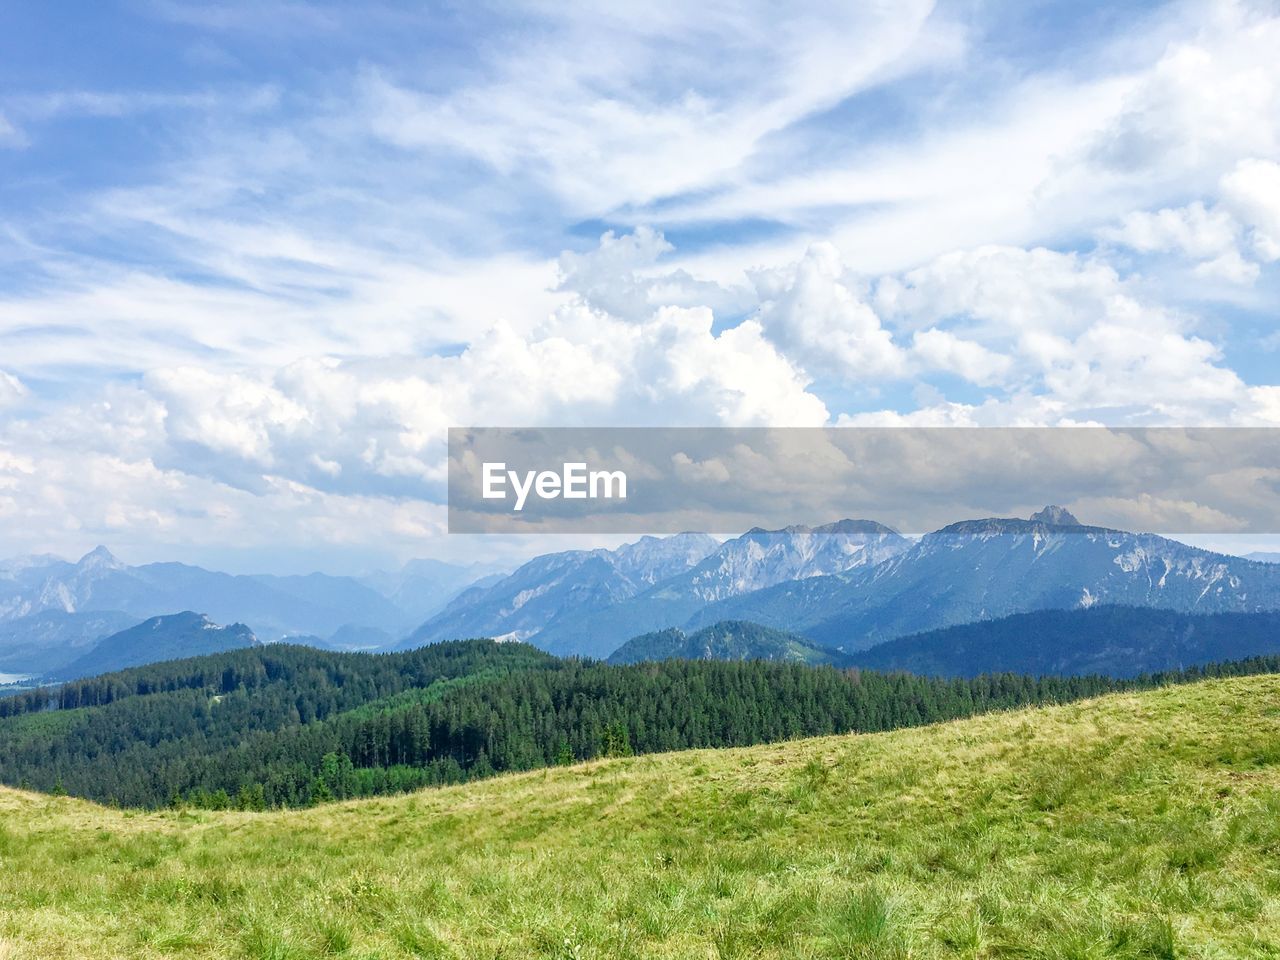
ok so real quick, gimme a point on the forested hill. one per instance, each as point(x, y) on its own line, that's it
point(282, 725)
point(729, 640)
point(1114, 640)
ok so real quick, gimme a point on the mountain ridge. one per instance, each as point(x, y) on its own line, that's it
point(983, 569)
point(727, 640)
point(173, 636)
point(1114, 641)
point(47, 603)
point(596, 622)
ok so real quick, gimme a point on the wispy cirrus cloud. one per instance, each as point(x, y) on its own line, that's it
point(267, 278)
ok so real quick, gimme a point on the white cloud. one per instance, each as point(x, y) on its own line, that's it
point(623, 276)
point(1229, 266)
point(275, 323)
point(680, 102)
point(12, 390)
point(1065, 337)
point(63, 504)
point(1192, 230)
point(1210, 99)
point(1252, 191)
point(228, 414)
point(1000, 291)
point(942, 350)
point(113, 320)
point(814, 312)
point(379, 424)
point(1215, 235)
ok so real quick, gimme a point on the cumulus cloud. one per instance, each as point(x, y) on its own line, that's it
point(1075, 340)
point(1207, 101)
point(379, 425)
point(942, 350)
point(61, 503)
point(814, 312)
point(1227, 238)
point(623, 276)
point(1192, 230)
point(227, 414)
point(1002, 291)
point(1252, 192)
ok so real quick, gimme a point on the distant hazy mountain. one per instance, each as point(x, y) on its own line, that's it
point(756, 560)
point(422, 588)
point(731, 640)
point(1115, 641)
point(42, 642)
point(353, 637)
point(985, 569)
point(1263, 557)
point(171, 637)
point(352, 610)
point(562, 586)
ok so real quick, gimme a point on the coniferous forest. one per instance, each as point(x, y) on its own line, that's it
point(292, 726)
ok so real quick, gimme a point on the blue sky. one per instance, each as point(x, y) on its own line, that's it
point(255, 258)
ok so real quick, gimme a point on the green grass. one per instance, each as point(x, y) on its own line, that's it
point(1134, 826)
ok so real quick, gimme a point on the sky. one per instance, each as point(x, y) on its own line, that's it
point(256, 258)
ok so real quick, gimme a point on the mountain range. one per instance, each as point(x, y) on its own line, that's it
point(559, 588)
point(985, 569)
point(588, 602)
point(854, 584)
point(847, 586)
point(53, 610)
point(43, 642)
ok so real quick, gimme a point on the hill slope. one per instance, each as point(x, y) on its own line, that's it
point(1116, 641)
point(170, 637)
point(40, 643)
point(1133, 826)
point(728, 640)
point(284, 725)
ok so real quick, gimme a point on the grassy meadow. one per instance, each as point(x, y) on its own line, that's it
point(1132, 826)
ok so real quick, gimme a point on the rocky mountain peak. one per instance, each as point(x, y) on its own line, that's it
point(1057, 516)
point(99, 558)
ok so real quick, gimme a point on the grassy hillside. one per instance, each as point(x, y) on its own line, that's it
point(1139, 825)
